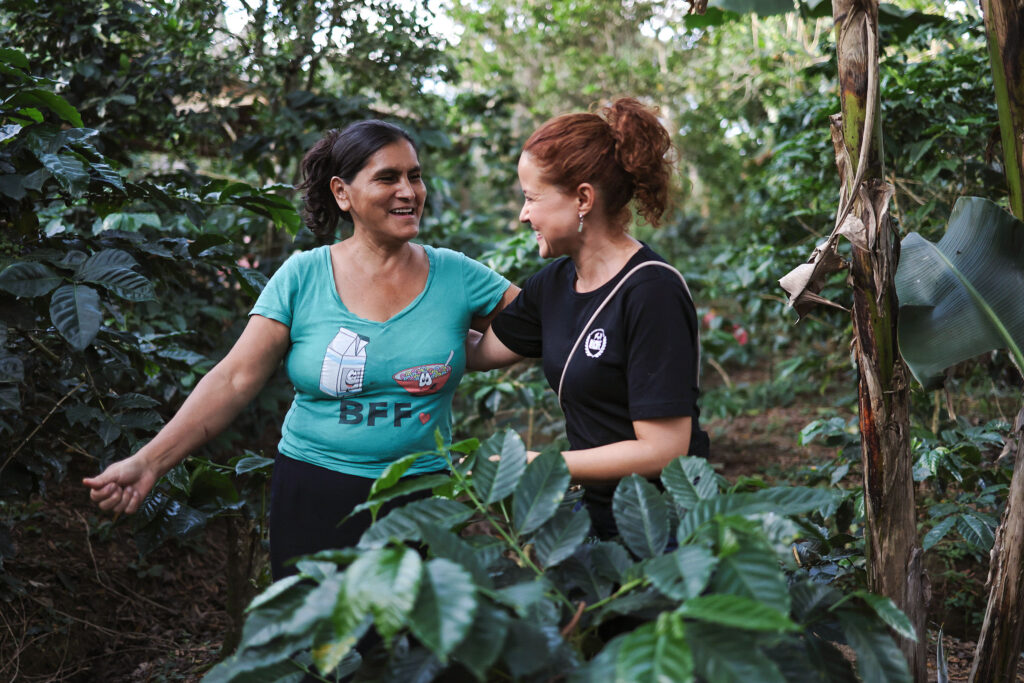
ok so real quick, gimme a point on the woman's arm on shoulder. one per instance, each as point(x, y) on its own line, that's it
point(218, 397)
point(484, 351)
point(483, 323)
point(658, 442)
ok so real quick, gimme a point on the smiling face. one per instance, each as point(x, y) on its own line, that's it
point(552, 213)
point(386, 197)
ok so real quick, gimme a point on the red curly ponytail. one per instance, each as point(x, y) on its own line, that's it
point(622, 150)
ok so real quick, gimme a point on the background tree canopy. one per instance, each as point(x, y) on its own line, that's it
point(148, 153)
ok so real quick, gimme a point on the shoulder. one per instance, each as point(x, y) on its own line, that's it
point(454, 264)
point(298, 267)
point(302, 260)
point(444, 258)
point(651, 270)
point(658, 286)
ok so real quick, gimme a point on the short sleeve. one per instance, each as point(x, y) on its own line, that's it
point(518, 326)
point(484, 287)
point(276, 301)
point(661, 363)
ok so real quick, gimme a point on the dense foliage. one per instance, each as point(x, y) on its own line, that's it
point(701, 584)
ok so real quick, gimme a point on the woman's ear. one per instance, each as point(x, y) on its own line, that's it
point(585, 198)
point(340, 193)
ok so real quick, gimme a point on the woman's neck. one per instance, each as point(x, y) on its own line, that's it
point(601, 256)
point(375, 257)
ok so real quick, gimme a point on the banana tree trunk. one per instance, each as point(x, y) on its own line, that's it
point(893, 554)
point(1002, 632)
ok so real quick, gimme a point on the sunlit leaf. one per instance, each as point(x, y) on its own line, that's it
point(445, 607)
point(641, 516)
point(293, 614)
point(253, 463)
point(689, 480)
point(69, 171)
point(494, 480)
point(522, 596)
point(540, 491)
point(938, 532)
point(51, 101)
point(736, 611)
point(404, 487)
point(781, 500)
point(385, 582)
point(889, 613)
point(403, 524)
point(655, 652)
point(682, 573)
point(975, 531)
point(753, 572)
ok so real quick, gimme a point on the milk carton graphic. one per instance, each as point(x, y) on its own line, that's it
point(344, 363)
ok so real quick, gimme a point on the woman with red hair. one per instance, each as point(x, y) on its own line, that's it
point(614, 323)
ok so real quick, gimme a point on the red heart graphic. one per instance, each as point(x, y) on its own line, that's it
point(424, 418)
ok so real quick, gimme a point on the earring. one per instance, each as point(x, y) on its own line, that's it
point(580, 228)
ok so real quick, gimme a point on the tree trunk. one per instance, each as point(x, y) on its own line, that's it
point(1002, 632)
point(893, 555)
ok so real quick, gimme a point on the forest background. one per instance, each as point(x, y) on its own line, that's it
point(147, 156)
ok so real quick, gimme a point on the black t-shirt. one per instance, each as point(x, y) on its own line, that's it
point(638, 361)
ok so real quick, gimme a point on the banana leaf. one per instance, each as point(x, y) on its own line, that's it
point(965, 295)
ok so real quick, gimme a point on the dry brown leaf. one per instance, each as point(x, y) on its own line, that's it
point(803, 283)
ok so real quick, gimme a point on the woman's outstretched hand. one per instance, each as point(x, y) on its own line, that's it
point(123, 486)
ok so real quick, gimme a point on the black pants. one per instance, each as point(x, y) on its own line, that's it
point(306, 504)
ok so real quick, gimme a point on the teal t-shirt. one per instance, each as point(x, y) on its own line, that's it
point(368, 392)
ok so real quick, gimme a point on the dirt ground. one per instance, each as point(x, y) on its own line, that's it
point(95, 611)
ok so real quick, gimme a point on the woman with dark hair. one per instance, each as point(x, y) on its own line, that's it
point(615, 324)
point(372, 332)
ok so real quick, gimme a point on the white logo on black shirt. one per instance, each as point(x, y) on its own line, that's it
point(596, 343)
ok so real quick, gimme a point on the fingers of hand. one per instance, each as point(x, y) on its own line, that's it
point(110, 498)
point(134, 502)
point(102, 492)
point(124, 504)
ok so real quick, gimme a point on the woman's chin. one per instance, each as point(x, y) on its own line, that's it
point(544, 249)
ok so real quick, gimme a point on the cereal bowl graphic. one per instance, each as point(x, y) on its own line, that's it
point(425, 379)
